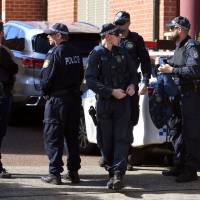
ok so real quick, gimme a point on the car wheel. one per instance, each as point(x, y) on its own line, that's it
point(85, 146)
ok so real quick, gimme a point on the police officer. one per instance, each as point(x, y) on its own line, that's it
point(61, 78)
point(134, 43)
point(111, 74)
point(8, 68)
point(186, 72)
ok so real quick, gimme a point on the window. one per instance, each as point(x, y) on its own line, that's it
point(93, 11)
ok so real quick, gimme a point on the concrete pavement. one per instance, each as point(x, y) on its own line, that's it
point(142, 183)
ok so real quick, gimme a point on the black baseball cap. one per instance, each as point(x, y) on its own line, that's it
point(121, 18)
point(179, 21)
point(1, 26)
point(110, 28)
point(57, 28)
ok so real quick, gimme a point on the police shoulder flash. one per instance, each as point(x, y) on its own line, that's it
point(195, 53)
point(46, 64)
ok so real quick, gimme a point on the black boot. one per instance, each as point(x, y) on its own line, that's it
point(187, 175)
point(73, 176)
point(52, 179)
point(110, 180)
point(174, 171)
point(4, 173)
point(117, 180)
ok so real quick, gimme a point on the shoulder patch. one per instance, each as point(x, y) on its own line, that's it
point(195, 53)
point(46, 64)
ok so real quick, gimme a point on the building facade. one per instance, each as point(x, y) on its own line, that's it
point(148, 17)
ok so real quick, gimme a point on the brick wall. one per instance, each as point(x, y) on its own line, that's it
point(23, 10)
point(62, 10)
point(142, 14)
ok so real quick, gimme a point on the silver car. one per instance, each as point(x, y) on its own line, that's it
point(29, 45)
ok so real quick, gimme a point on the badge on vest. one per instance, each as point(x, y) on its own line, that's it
point(129, 45)
point(119, 59)
point(46, 64)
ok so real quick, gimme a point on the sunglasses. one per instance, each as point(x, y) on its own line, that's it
point(172, 28)
point(116, 34)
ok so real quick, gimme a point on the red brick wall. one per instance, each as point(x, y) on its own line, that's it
point(24, 9)
point(142, 14)
point(62, 10)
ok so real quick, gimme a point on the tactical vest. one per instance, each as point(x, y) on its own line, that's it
point(179, 60)
point(113, 69)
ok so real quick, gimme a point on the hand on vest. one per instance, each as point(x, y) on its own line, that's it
point(118, 93)
point(130, 90)
point(166, 69)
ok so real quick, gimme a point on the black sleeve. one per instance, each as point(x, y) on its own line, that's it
point(132, 69)
point(144, 59)
point(7, 63)
point(92, 76)
point(48, 74)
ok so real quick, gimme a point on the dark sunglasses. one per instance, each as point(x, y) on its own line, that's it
point(173, 27)
point(116, 34)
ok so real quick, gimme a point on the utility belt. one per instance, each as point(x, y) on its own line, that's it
point(65, 92)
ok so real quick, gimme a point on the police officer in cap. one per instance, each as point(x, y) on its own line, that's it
point(111, 74)
point(8, 68)
point(185, 69)
point(135, 45)
point(61, 78)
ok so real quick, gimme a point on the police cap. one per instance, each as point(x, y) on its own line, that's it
point(110, 28)
point(179, 21)
point(1, 26)
point(121, 18)
point(57, 28)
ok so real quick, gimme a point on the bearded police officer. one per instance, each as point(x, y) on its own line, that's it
point(8, 68)
point(111, 74)
point(185, 69)
point(61, 78)
point(134, 43)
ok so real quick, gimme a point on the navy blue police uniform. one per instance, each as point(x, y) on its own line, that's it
point(8, 68)
point(135, 46)
point(108, 70)
point(61, 78)
point(186, 73)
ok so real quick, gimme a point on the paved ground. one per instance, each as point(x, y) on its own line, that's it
point(142, 183)
point(24, 157)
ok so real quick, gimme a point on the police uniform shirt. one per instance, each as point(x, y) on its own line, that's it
point(135, 45)
point(106, 68)
point(62, 69)
point(187, 61)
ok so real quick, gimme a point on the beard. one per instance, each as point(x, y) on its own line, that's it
point(175, 37)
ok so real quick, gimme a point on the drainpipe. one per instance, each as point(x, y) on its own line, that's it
point(156, 12)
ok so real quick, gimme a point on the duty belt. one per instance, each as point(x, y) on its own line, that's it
point(65, 92)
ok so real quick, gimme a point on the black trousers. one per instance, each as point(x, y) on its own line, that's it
point(190, 108)
point(113, 119)
point(5, 105)
point(61, 121)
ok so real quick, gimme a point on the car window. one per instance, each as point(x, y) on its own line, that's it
point(84, 42)
point(12, 33)
point(14, 38)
